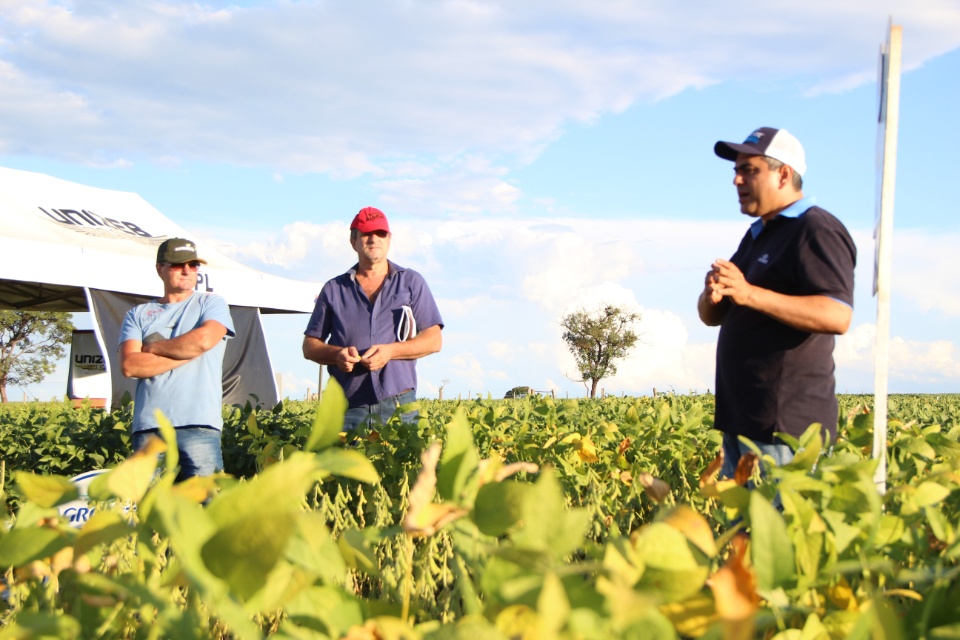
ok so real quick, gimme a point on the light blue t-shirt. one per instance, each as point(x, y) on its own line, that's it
point(191, 394)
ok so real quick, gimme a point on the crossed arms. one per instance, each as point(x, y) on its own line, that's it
point(139, 360)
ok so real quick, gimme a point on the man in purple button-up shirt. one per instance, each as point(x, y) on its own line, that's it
point(371, 324)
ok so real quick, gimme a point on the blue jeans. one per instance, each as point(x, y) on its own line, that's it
point(733, 449)
point(383, 411)
point(199, 447)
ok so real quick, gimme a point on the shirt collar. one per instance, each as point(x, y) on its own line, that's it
point(391, 269)
point(794, 210)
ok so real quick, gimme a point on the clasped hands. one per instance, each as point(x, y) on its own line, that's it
point(373, 358)
point(725, 280)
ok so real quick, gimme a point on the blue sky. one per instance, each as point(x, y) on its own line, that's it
point(532, 157)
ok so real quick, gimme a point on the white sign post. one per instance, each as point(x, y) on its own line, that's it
point(889, 117)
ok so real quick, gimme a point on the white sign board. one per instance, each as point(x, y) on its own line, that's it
point(89, 376)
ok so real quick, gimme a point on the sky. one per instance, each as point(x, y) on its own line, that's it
point(532, 157)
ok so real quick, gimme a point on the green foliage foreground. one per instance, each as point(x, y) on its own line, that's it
point(529, 518)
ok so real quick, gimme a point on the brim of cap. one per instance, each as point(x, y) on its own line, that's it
point(729, 150)
point(368, 228)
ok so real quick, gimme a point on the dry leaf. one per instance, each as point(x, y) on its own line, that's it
point(656, 488)
point(735, 593)
point(709, 476)
point(745, 468)
point(515, 467)
point(624, 445)
point(423, 517)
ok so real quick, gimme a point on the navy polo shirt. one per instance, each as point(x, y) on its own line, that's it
point(771, 377)
point(344, 317)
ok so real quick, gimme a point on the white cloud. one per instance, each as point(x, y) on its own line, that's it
point(502, 285)
point(460, 87)
point(924, 271)
point(910, 360)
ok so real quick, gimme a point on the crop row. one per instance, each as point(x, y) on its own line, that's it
point(495, 518)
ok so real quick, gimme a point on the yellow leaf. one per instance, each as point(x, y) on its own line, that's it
point(842, 595)
point(695, 527)
point(587, 450)
point(691, 617)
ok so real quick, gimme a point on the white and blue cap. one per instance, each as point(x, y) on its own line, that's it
point(778, 144)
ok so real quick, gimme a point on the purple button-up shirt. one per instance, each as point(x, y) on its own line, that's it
point(344, 317)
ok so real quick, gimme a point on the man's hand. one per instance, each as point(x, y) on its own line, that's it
point(711, 286)
point(346, 358)
point(729, 282)
point(377, 356)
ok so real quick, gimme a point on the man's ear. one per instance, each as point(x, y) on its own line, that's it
point(786, 175)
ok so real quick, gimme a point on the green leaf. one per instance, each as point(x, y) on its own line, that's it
point(843, 533)
point(129, 480)
point(548, 525)
point(46, 491)
point(102, 528)
point(891, 529)
point(42, 625)
point(459, 460)
point(327, 609)
point(328, 421)
point(312, 548)
point(498, 507)
point(930, 493)
point(171, 459)
point(280, 488)
point(770, 545)
point(672, 566)
point(245, 551)
point(552, 605)
point(22, 545)
point(347, 463)
point(357, 553)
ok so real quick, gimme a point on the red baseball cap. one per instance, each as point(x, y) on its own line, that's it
point(370, 219)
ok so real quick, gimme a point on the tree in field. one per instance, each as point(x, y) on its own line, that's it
point(598, 338)
point(30, 344)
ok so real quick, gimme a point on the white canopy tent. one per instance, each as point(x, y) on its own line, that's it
point(70, 247)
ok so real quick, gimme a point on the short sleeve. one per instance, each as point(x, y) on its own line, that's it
point(319, 324)
point(217, 309)
point(130, 329)
point(424, 307)
point(827, 257)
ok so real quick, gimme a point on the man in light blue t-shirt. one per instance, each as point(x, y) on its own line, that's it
point(174, 345)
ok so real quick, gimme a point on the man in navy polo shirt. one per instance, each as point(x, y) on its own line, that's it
point(371, 324)
point(779, 302)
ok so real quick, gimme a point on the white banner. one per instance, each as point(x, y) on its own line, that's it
point(88, 377)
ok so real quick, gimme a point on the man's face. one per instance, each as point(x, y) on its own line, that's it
point(759, 189)
point(178, 278)
point(372, 247)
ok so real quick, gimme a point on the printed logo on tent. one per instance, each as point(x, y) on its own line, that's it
point(90, 223)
